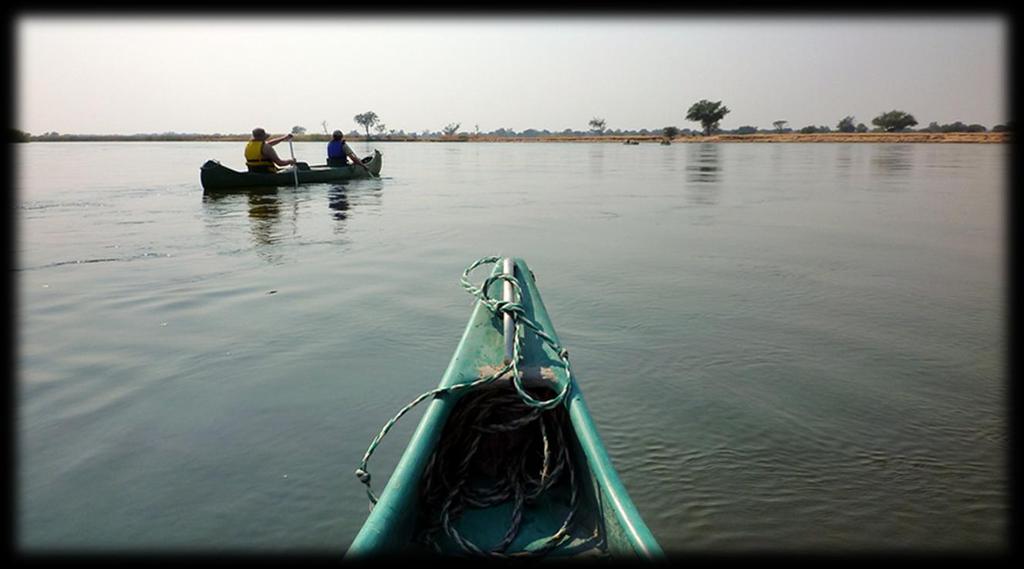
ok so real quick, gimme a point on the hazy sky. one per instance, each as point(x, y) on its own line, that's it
point(125, 75)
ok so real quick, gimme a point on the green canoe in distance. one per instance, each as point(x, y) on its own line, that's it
point(215, 177)
point(604, 508)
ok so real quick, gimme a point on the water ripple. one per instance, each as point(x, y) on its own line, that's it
point(127, 258)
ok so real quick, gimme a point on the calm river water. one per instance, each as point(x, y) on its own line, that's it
point(786, 347)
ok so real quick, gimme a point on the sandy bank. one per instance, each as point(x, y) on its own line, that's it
point(959, 137)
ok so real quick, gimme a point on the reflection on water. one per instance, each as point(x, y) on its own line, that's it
point(264, 208)
point(670, 158)
point(844, 160)
point(264, 214)
point(893, 160)
point(891, 166)
point(338, 202)
point(596, 156)
point(703, 173)
point(943, 157)
point(703, 165)
point(273, 215)
point(778, 161)
point(364, 195)
point(453, 157)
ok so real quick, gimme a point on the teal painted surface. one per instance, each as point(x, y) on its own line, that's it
point(389, 527)
point(215, 177)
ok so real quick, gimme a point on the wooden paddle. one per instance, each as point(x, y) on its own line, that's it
point(295, 163)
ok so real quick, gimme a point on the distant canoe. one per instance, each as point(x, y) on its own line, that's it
point(631, 142)
point(216, 177)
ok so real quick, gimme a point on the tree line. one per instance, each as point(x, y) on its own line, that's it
point(708, 113)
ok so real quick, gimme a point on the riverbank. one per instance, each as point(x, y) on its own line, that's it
point(791, 137)
point(956, 137)
point(885, 137)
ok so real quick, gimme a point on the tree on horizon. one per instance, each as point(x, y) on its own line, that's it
point(367, 120)
point(708, 114)
point(893, 121)
point(597, 125)
point(846, 124)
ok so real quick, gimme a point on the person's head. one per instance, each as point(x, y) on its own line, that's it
point(259, 134)
point(338, 135)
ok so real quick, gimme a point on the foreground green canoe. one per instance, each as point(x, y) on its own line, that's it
point(217, 177)
point(567, 500)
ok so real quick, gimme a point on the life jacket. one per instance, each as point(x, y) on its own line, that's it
point(336, 153)
point(254, 157)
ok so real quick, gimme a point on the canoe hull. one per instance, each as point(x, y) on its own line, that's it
point(605, 505)
point(216, 177)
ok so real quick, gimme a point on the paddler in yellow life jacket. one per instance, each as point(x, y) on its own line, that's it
point(260, 155)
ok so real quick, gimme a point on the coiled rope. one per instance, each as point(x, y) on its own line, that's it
point(500, 419)
point(520, 451)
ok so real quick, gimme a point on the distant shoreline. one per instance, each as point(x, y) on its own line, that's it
point(876, 137)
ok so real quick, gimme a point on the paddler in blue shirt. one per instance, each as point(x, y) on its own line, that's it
point(338, 152)
point(260, 155)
